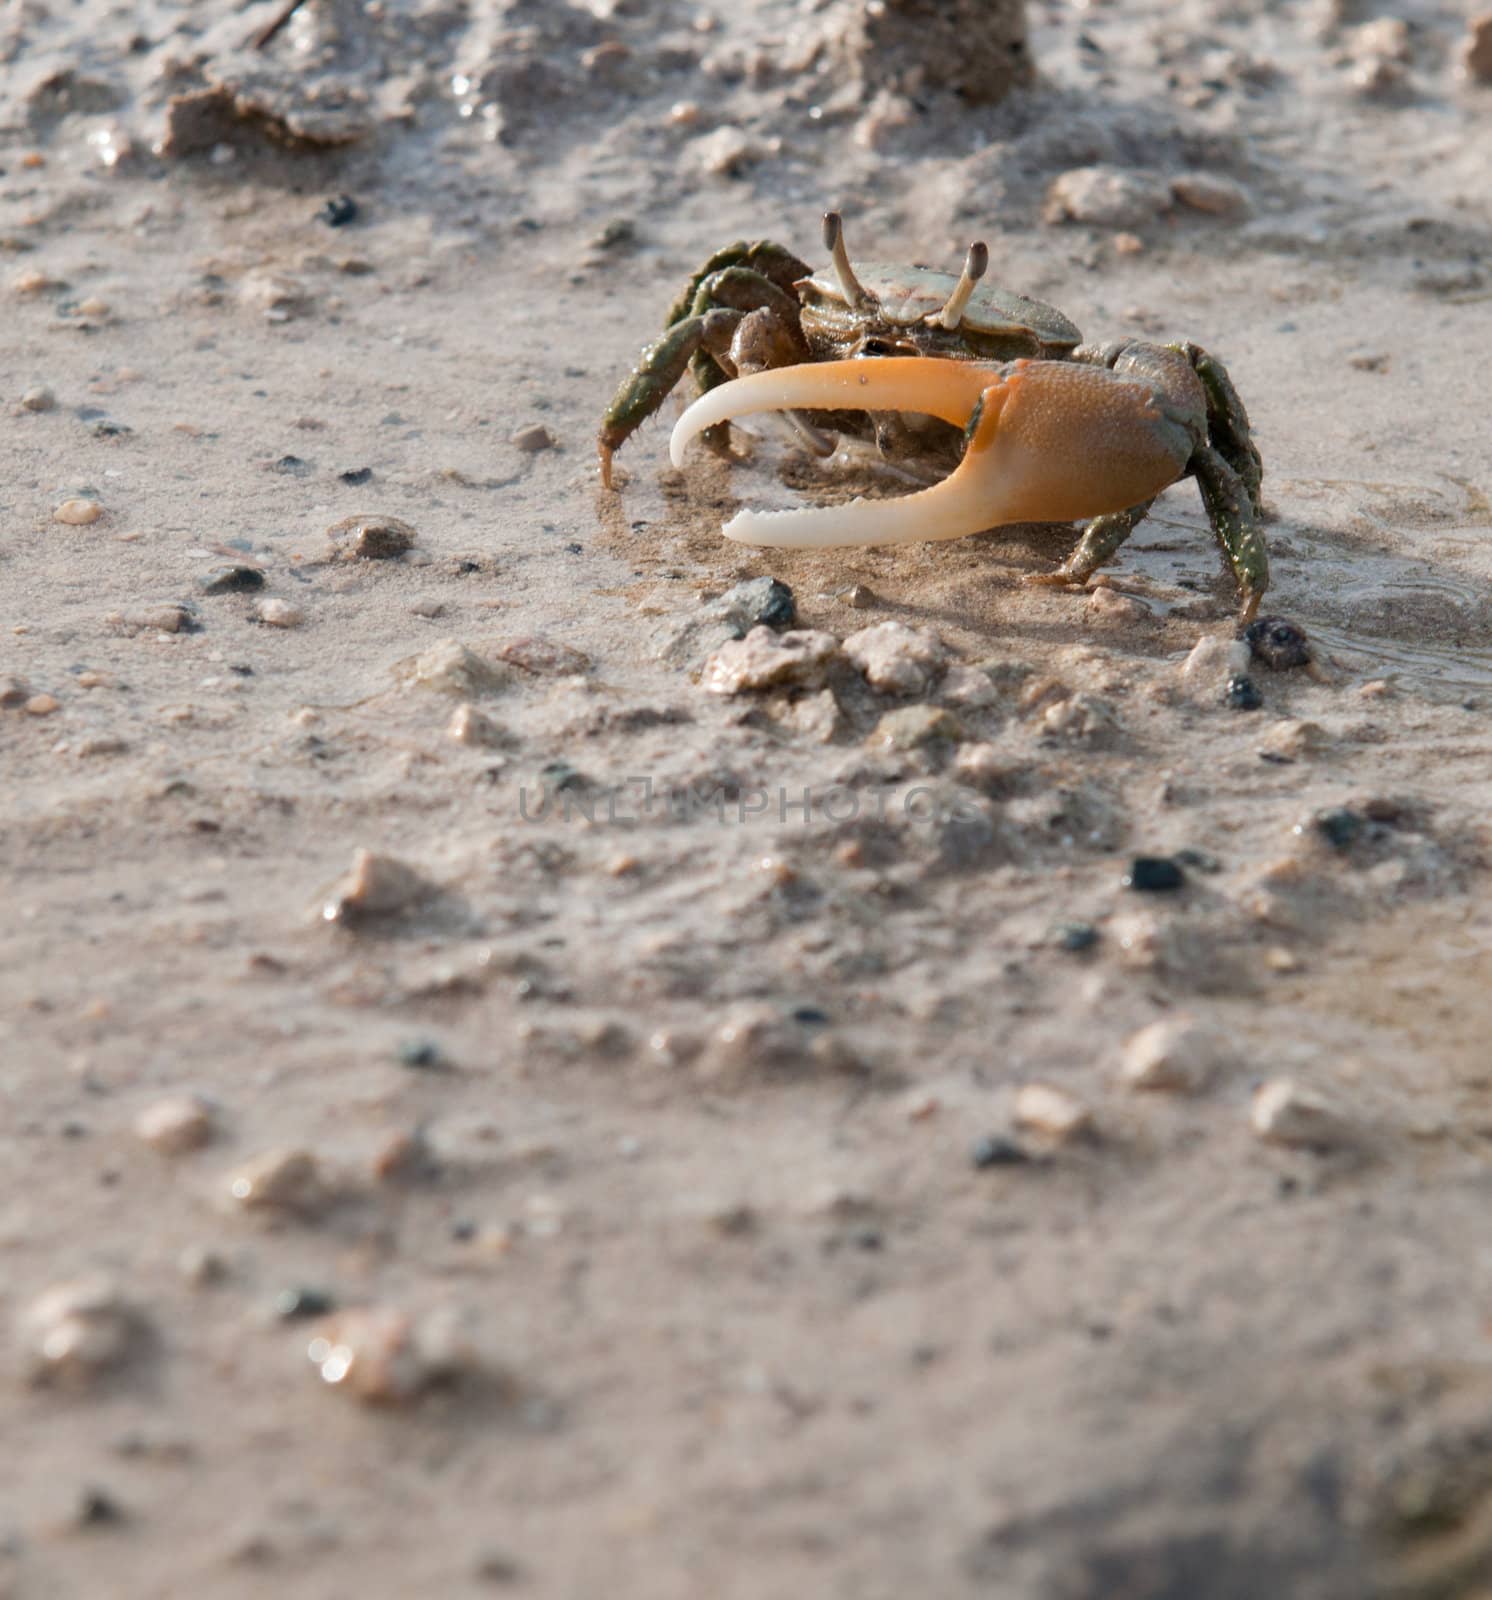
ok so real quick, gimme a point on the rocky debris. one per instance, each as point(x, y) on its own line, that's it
point(1476, 49)
point(1178, 1054)
point(267, 107)
point(897, 659)
point(1054, 1113)
point(1212, 662)
point(176, 1125)
point(986, 768)
point(768, 660)
point(1285, 1112)
point(968, 688)
point(38, 398)
point(532, 439)
point(1292, 739)
point(761, 1041)
point(13, 693)
point(732, 615)
point(725, 152)
point(77, 1332)
point(1212, 195)
point(376, 538)
point(909, 727)
point(1080, 718)
point(974, 49)
point(1379, 53)
point(816, 717)
point(42, 705)
point(1107, 197)
point(1277, 644)
point(1108, 607)
point(78, 513)
point(448, 667)
point(275, 613)
point(288, 1180)
point(277, 296)
point(1074, 937)
point(339, 211)
point(545, 658)
point(375, 886)
point(383, 1356)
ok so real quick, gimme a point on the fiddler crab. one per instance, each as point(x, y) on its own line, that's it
point(956, 376)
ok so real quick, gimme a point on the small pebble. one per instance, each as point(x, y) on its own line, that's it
point(421, 1055)
point(13, 692)
point(532, 439)
point(42, 705)
point(449, 667)
point(1242, 694)
point(233, 579)
point(372, 538)
point(382, 1356)
point(93, 307)
point(757, 600)
point(33, 282)
point(38, 399)
point(469, 726)
point(76, 1332)
point(1340, 826)
point(994, 1150)
point(78, 513)
point(277, 613)
point(909, 727)
point(294, 1305)
point(767, 660)
point(279, 1180)
point(1283, 1112)
point(859, 597)
point(97, 1508)
point(1153, 875)
point(1107, 197)
point(175, 1125)
point(896, 658)
point(201, 1266)
point(544, 657)
point(1211, 663)
point(356, 477)
point(375, 886)
point(1278, 644)
point(1216, 196)
point(338, 211)
point(1058, 1115)
point(1177, 1054)
point(1074, 937)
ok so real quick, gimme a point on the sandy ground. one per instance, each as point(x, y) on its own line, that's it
point(658, 1128)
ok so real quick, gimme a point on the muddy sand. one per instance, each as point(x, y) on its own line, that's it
point(494, 1103)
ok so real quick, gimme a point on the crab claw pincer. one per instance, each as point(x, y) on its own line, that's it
point(1048, 441)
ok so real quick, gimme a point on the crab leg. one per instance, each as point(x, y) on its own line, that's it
point(1048, 441)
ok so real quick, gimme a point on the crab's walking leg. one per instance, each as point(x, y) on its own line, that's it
point(1098, 546)
point(658, 369)
point(1231, 511)
point(770, 261)
point(1227, 422)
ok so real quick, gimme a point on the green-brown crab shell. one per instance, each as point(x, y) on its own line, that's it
point(909, 296)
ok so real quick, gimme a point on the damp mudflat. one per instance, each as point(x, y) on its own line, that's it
point(531, 1059)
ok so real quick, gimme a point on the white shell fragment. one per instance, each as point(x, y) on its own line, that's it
point(1058, 1115)
point(1284, 1112)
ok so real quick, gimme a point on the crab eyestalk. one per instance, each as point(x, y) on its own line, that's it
point(855, 292)
point(976, 264)
point(1048, 441)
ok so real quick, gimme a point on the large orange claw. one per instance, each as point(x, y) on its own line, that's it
point(1049, 441)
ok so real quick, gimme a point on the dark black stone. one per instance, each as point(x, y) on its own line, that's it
point(356, 477)
point(1341, 827)
point(420, 1054)
point(1074, 936)
point(810, 1016)
point(1154, 874)
point(292, 467)
point(994, 1150)
point(1242, 694)
point(235, 579)
point(294, 1305)
point(1280, 645)
point(338, 211)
